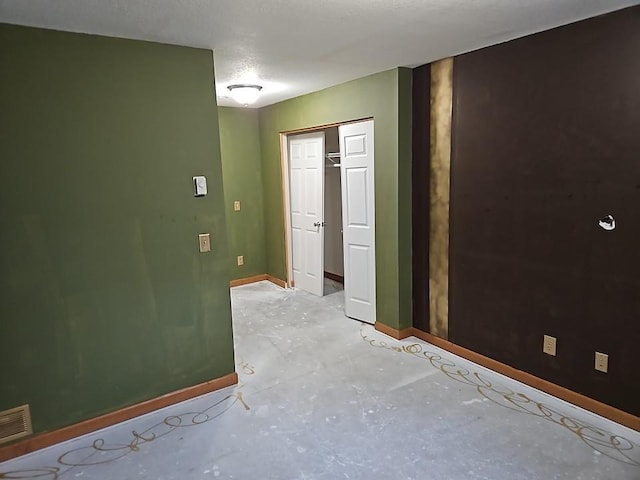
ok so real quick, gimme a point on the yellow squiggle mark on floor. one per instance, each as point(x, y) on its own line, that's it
point(613, 446)
point(241, 400)
point(246, 368)
point(82, 456)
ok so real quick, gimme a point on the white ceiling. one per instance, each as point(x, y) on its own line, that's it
point(293, 47)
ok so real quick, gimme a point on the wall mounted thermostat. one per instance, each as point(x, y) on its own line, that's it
point(199, 186)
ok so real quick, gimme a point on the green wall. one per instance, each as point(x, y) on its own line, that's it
point(242, 176)
point(405, 219)
point(104, 298)
point(386, 97)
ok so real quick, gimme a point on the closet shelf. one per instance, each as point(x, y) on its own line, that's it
point(332, 156)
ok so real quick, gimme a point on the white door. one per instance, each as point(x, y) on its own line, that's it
point(306, 180)
point(358, 220)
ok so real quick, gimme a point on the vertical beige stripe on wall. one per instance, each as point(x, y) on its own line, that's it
point(441, 106)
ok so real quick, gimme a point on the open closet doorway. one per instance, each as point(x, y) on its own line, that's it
point(328, 186)
point(333, 247)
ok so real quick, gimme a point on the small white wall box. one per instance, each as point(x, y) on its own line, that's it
point(199, 186)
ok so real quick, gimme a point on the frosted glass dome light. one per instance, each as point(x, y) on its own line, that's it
point(245, 94)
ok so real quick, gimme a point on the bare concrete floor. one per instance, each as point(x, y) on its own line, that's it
point(325, 397)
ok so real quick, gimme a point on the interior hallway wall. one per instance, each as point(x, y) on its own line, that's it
point(420, 178)
point(441, 92)
point(386, 97)
point(105, 300)
point(433, 99)
point(242, 177)
point(544, 144)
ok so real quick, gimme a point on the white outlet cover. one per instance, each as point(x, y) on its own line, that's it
point(602, 362)
point(549, 342)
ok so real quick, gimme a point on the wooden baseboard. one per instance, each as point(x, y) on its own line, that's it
point(393, 332)
point(277, 281)
point(334, 277)
point(245, 281)
point(47, 439)
point(258, 278)
point(570, 396)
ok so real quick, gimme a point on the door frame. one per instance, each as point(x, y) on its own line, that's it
point(286, 199)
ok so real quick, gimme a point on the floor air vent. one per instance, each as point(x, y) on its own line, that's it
point(15, 423)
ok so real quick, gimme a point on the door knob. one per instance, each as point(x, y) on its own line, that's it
point(316, 224)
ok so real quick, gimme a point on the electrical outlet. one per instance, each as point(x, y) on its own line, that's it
point(240, 260)
point(602, 362)
point(549, 345)
point(236, 206)
point(204, 239)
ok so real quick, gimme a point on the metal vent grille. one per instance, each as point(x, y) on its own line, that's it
point(15, 423)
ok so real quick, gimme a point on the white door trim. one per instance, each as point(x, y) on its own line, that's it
point(286, 200)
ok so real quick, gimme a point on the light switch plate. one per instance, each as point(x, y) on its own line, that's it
point(204, 239)
point(236, 206)
point(199, 186)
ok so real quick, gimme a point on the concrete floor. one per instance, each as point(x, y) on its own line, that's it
point(325, 397)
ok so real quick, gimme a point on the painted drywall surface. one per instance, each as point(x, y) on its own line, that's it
point(333, 248)
point(104, 298)
point(420, 177)
point(374, 96)
point(331, 140)
point(405, 213)
point(441, 107)
point(242, 177)
point(545, 143)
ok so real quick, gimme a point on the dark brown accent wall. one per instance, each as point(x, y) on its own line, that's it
point(546, 140)
point(420, 195)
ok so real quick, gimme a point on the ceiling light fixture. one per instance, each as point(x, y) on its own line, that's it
point(245, 94)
